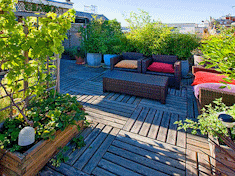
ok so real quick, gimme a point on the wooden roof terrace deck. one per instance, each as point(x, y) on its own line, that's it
point(131, 135)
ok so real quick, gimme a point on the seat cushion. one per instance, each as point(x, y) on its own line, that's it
point(132, 64)
point(206, 77)
point(214, 86)
point(161, 67)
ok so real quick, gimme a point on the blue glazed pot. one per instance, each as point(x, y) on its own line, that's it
point(184, 68)
point(107, 58)
point(94, 59)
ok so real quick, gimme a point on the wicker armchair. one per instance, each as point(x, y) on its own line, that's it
point(174, 78)
point(127, 56)
point(208, 95)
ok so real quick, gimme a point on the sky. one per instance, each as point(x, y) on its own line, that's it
point(167, 11)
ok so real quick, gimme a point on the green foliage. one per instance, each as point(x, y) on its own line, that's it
point(60, 157)
point(152, 37)
point(112, 37)
point(208, 122)
point(50, 112)
point(149, 39)
point(219, 50)
point(138, 20)
point(79, 142)
point(101, 36)
point(180, 45)
point(20, 41)
point(73, 51)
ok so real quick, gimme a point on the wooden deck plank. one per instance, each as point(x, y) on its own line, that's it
point(107, 109)
point(116, 95)
point(116, 145)
point(132, 119)
point(162, 134)
point(131, 100)
point(152, 141)
point(116, 169)
point(68, 170)
point(126, 98)
point(155, 125)
point(181, 135)
point(46, 171)
point(84, 158)
point(147, 123)
point(204, 164)
point(152, 148)
point(92, 163)
point(88, 140)
point(137, 100)
point(191, 163)
point(119, 99)
point(140, 120)
point(172, 132)
point(103, 113)
point(99, 171)
point(112, 119)
point(135, 167)
point(109, 95)
point(104, 121)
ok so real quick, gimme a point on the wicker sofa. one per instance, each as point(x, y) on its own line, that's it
point(127, 56)
point(208, 95)
point(174, 78)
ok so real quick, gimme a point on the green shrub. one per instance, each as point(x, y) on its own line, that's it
point(49, 112)
point(219, 50)
point(101, 36)
point(180, 45)
point(208, 122)
point(150, 37)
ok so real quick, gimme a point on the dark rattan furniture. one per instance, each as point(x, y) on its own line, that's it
point(147, 86)
point(208, 95)
point(174, 78)
point(127, 56)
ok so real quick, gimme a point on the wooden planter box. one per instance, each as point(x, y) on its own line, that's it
point(222, 156)
point(37, 156)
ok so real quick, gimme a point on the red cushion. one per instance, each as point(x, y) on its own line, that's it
point(207, 77)
point(161, 67)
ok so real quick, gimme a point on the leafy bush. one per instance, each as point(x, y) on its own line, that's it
point(180, 45)
point(208, 122)
point(219, 50)
point(150, 37)
point(101, 36)
point(50, 112)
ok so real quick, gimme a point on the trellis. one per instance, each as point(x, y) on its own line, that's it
point(54, 73)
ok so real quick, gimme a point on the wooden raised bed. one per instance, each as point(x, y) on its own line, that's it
point(222, 157)
point(33, 160)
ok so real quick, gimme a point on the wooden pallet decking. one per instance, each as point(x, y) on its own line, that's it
point(129, 135)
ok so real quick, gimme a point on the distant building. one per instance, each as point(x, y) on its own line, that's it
point(183, 27)
point(224, 20)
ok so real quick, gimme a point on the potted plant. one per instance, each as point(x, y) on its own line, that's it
point(92, 41)
point(197, 56)
point(210, 124)
point(56, 118)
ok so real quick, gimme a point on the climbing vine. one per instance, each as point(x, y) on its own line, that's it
point(27, 47)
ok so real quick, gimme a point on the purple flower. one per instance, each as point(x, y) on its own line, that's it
point(84, 27)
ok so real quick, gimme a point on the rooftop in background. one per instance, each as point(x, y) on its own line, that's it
point(89, 15)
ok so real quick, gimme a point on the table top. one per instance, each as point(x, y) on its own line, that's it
point(137, 77)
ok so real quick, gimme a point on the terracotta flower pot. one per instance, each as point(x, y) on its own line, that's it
point(79, 60)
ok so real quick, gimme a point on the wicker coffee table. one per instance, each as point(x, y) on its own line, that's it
point(143, 85)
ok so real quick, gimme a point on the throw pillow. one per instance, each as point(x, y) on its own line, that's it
point(207, 77)
point(161, 67)
point(132, 64)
